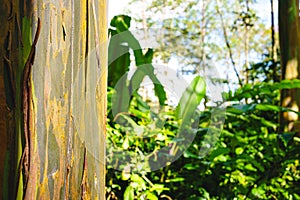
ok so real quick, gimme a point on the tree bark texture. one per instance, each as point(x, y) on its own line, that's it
point(68, 101)
point(290, 62)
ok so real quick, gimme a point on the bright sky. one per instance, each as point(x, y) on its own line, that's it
point(116, 7)
point(262, 7)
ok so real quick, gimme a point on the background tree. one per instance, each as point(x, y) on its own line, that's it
point(66, 98)
point(193, 33)
point(290, 62)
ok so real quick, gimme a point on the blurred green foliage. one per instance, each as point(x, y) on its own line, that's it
point(251, 160)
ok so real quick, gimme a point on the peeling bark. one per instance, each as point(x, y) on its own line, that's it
point(67, 104)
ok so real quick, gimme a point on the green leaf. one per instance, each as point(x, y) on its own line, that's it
point(160, 93)
point(254, 162)
point(121, 22)
point(129, 193)
point(159, 188)
point(239, 150)
point(137, 130)
point(139, 180)
point(189, 154)
point(118, 60)
point(178, 179)
point(287, 84)
point(137, 78)
point(140, 74)
point(190, 100)
point(297, 139)
point(258, 192)
point(286, 137)
point(217, 152)
point(240, 108)
point(125, 144)
point(267, 107)
point(125, 175)
point(250, 167)
point(191, 166)
point(149, 56)
point(121, 97)
point(26, 38)
point(142, 105)
point(151, 196)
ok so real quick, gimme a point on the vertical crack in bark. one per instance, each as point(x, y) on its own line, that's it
point(86, 47)
point(84, 182)
point(64, 32)
point(97, 46)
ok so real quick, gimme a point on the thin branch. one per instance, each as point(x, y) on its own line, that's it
point(272, 29)
point(228, 45)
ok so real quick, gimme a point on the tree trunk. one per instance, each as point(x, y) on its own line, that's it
point(66, 97)
point(290, 62)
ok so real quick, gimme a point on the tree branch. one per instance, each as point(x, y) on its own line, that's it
point(228, 44)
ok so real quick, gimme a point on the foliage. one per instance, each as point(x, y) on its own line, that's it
point(191, 32)
point(118, 59)
point(251, 160)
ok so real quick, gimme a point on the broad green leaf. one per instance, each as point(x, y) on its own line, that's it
point(134, 44)
point(121, 22)
point(119, 62)
point(160, 93)
point(148, 56)
point(140, 74)
point(119, 58)
point(139, 181)
point(121, 97)
point(129, 193)
point(190, 100)
point(137, 78)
